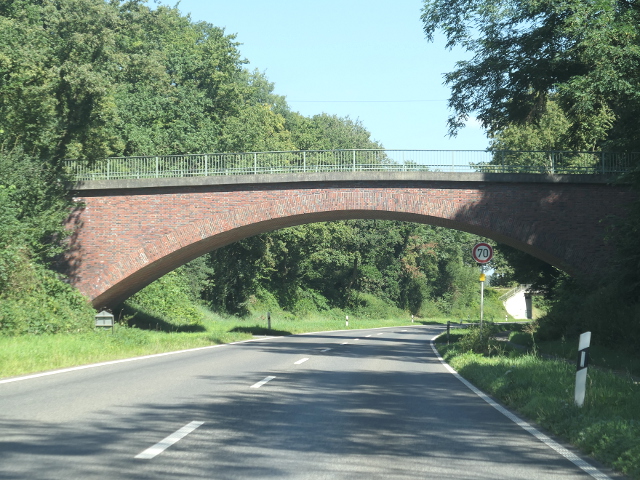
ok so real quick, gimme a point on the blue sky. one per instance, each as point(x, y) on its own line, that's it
point(367, 60)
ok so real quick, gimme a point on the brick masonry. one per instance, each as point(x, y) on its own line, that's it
point(126, 238)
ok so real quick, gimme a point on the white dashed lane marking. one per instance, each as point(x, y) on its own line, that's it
point(262, 382)
point(175, 437)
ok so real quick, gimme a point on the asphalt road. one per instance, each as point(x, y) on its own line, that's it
point(353, 404)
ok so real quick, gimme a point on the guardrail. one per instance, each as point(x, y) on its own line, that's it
point(354, 160)
point(514, 291)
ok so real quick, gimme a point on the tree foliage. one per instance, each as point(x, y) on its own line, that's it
point(93, 78)
point(584, 55)
point(418, 268)
point(547, 75)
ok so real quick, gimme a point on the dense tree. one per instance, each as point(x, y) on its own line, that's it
point(33, 298)
point(328, 132)
point(584, 54)
point(93, 78)
point(549, 133)
point(555, 75)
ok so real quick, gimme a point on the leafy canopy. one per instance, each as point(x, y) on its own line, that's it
point(586, 55)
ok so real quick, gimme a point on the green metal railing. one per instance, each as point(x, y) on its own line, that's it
point(355, 160)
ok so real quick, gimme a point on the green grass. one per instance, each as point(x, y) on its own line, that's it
point(599, 356)
point(607, 427)
point(30, 353)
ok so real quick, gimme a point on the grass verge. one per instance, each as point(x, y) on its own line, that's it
point(22, 355)
point(599, 356)
point(607, 427)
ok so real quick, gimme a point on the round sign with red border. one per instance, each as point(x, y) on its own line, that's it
point(482, 253)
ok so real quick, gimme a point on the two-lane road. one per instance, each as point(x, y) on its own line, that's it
point(351, 404)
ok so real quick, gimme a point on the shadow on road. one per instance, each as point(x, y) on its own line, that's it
point(258, 330)
point(406, 419)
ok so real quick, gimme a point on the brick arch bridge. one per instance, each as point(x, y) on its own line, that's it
point(129, 233)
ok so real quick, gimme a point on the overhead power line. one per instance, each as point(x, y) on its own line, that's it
point(363, 101)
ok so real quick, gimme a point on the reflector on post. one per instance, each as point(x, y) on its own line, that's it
point(581, 368)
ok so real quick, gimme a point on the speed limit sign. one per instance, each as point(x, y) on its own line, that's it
point(482, 253)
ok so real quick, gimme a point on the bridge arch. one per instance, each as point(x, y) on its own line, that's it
point(129, 233)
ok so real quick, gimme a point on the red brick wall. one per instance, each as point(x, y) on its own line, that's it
point(128, 238)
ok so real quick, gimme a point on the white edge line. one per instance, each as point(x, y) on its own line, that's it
point(124, 360)
point(572, 457)
point(262, 382)
point(326, 349)
point(302, 360)
point(162, 445)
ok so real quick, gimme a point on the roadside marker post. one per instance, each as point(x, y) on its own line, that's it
point(269, 320)
point(347, 321)
point(581, 368)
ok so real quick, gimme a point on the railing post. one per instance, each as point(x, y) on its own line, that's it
point(206, 165)
point(108, 169)
point(157, 168)
point(304, 161)
point(354, 160)
point(255, 163)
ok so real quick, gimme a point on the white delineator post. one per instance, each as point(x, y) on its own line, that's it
point(581, 368)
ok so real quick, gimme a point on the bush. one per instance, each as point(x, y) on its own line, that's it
point(480, 341)
point(39, 302)
point(430, 309)
point(366, 305)
point(612, 320)
point(309, 302)
point(170, 299)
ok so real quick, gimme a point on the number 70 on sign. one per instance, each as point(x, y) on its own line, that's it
point(482, 252)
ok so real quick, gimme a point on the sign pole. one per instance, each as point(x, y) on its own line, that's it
point(482, 279)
